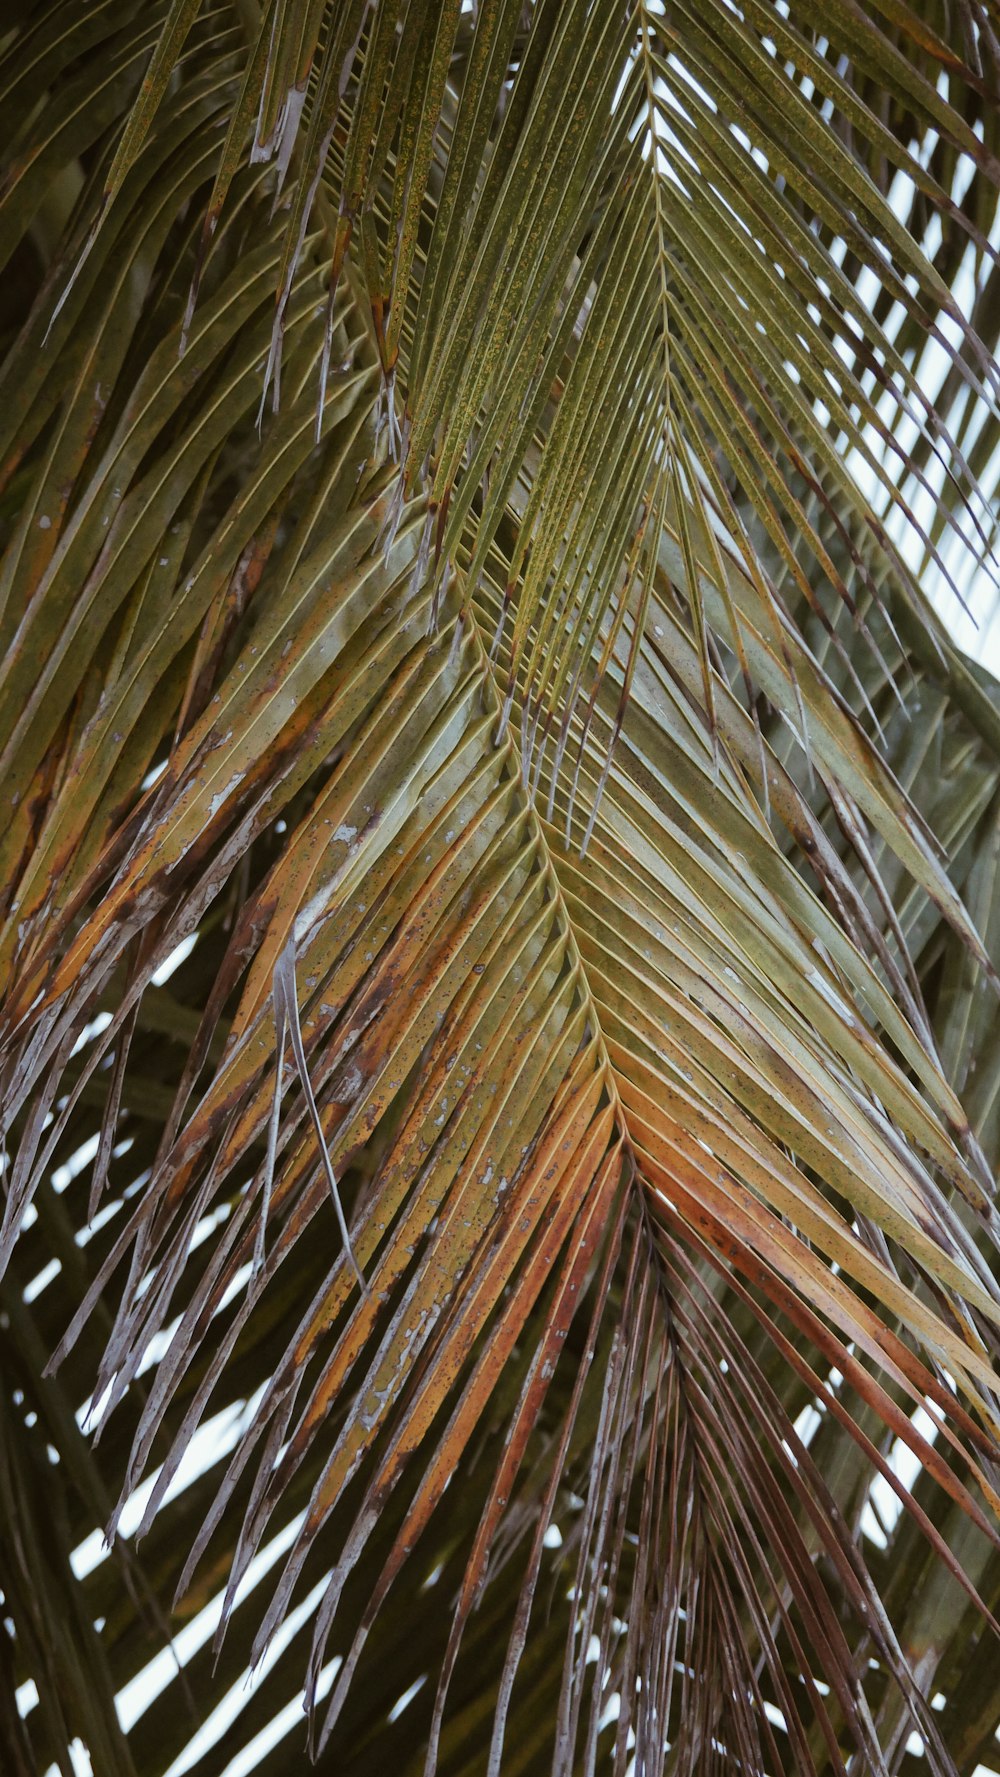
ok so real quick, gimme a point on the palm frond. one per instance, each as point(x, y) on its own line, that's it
point(469, 501)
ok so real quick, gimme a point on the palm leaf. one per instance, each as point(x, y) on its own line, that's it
point(442, 606)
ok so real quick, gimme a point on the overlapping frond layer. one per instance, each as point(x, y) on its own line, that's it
point(446, 622)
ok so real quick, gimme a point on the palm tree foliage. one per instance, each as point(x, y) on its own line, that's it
point(471, 479)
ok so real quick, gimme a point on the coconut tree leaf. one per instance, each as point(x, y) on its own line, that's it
point(499, 916)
